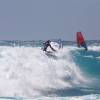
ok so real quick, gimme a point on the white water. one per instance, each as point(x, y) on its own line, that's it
point(94, 48)
point(27, 71)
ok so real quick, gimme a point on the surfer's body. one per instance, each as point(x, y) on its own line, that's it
point(46, 45)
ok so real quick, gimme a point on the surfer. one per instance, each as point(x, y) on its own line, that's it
point(46, 45)
point(84, 45)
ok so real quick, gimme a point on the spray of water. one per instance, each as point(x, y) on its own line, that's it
point(26, 71)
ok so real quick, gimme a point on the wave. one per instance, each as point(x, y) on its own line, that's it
point(28, 71)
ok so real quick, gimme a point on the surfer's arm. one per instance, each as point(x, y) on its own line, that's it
point(52, 48)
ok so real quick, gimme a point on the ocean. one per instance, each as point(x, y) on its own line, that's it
point(28, 73)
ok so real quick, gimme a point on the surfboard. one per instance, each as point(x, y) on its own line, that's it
point(80, 40)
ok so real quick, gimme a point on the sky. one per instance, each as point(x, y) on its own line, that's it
point(49, 19)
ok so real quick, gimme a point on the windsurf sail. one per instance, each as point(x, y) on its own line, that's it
point(80, 40)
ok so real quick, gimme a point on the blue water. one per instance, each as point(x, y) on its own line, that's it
point(26, 72)
point(89, 62)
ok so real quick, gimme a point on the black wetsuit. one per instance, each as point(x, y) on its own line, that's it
point(46, 44)
point(84, 45)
